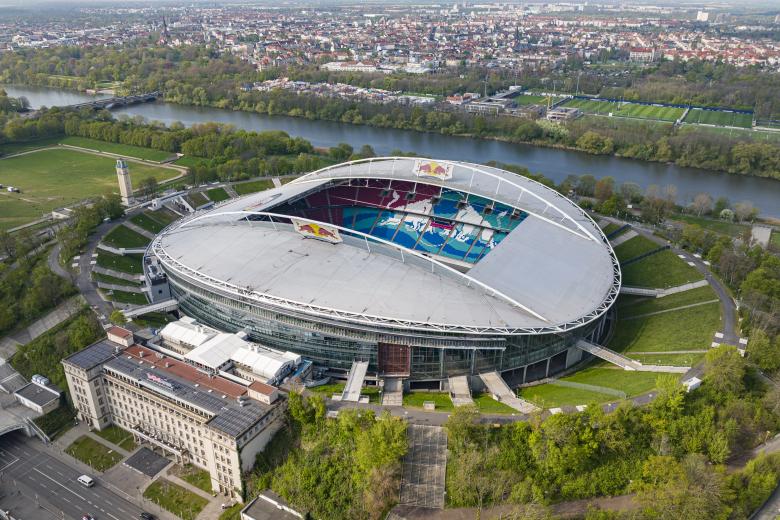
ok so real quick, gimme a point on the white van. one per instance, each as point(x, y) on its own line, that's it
point(86, 480)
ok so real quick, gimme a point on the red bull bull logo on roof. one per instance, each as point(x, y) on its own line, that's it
point(312, 230)
point(439, 170)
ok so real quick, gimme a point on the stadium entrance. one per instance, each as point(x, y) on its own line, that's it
point(394, 360)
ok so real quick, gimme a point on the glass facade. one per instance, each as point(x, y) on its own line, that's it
point(434, 356)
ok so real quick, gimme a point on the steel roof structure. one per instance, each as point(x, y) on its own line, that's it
point(554, 272)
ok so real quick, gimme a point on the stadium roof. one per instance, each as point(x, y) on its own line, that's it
point(553, 272)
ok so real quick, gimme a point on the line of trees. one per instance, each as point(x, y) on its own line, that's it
point(671, 453)
point(197, 76)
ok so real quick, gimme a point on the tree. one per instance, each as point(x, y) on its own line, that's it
point(117, 317)
point(745, 211)
point(604, 188)
point(586, 185)
point(631, 192)
point(702, 203)
point(148, 186)
point(724, 371)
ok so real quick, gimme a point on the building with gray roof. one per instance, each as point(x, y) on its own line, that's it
point(427, 269)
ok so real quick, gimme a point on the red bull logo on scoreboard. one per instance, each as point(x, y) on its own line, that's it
point(312, 230)
point(439, 170)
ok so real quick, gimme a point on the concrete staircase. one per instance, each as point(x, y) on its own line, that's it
point(460, 393)
point(625, 237)
point(393, 392)
point(502, 393)
point(357, 375)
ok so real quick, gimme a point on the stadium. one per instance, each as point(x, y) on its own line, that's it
point(426, 269)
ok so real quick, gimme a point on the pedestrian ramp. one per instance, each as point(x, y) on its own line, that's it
point(460, 393)
point(625, 237)
point(165, 306)
point(424, 467)
point(393, 392)
point(357, 374)
point(626, 363)
point(502, 393)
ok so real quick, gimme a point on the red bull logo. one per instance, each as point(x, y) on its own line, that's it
point(433, 169)
point(312, 230)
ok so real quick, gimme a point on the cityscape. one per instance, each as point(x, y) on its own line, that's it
point(389, 260)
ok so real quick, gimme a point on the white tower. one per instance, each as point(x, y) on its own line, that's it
point(125, 187)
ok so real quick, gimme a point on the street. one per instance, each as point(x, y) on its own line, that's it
point(27, 469)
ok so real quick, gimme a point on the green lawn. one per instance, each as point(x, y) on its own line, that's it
point(686, 329)
point(147, 222)
point(632, 383)
point(197, 477)
point(189, 162)
point(116, 435)
point(716, 225)
point(171, 497)
point(131, 264)
point(217, 194)
point(123, 236)
point(128, 297)
point(105, 278)
point(552, 396)
point(336, 388)
point(713, 117)
point(486, 404)
point(648, 305)
point(116, 148)
point(91, 452)
point(774, 240)
point(51, 179)
point(11, 148)
point(417, 399)
point(532, 99)
point(634, 247)
point(679, 360)
point(245, 188)
point(163, 215)
point(661, 270)
point(155, 320)
point(611, 228)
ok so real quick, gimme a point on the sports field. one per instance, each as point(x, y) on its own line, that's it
point(530, 99)
point(51, 179)
point(719, 118)
point(627, 109)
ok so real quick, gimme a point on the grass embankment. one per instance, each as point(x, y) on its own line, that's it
point(116, 435)
point(114, 280)
point(124, 237)
point(551, 396)
point(486, 404)
point(50, 179)
point(661, 270)
point(217, 194)
point(174, 498)
point(244, 188)
point(131, 264)
point(127, 297)
point(441, 400)
point(93, 453)
point(630, 383)
point(148, 221)
point(634, 247)
point(685, 329)
point(337, 388)
point(640, 306)
point(718, 118)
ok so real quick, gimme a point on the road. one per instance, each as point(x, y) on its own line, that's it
point(28, 468)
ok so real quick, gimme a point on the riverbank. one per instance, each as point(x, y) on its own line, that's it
point(555, 163)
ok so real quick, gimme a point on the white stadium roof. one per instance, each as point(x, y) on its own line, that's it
point(553, 272)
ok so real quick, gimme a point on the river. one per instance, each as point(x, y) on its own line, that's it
point(553, 163)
